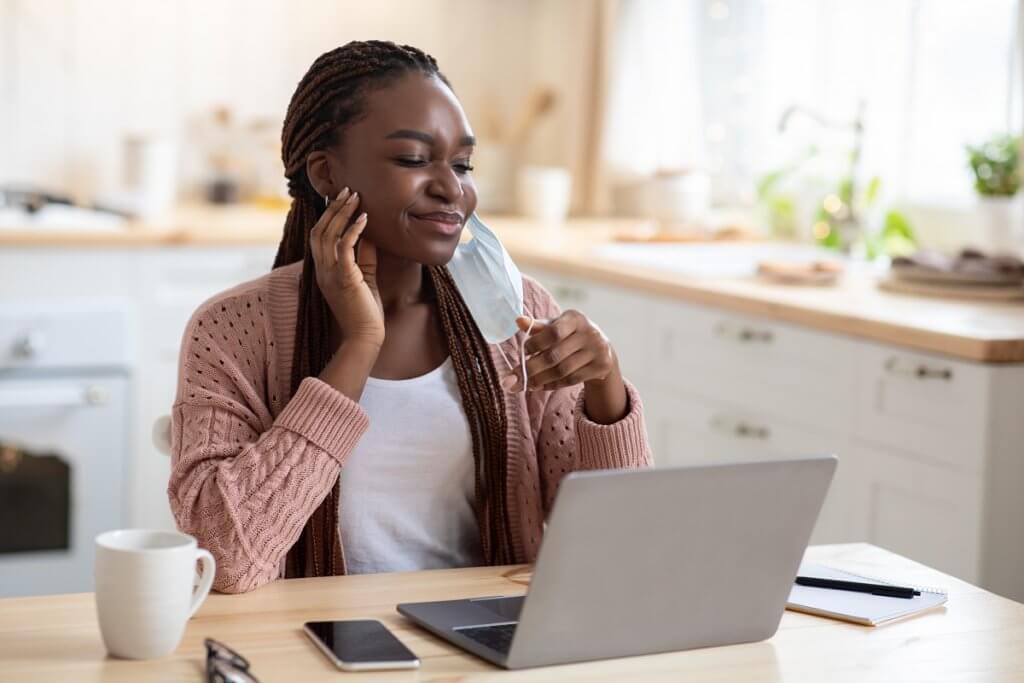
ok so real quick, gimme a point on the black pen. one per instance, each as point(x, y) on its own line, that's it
point(873, 588)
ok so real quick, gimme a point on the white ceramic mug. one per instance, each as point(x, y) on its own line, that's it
point(144, 589)
point(544, 193)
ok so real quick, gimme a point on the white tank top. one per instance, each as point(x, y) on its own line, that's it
point(407, 490)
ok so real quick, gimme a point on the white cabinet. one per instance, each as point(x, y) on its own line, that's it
point(932, 514)
point(164, 286)
point(931, 449)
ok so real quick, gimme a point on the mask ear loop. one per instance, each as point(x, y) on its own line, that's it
point(522, 353)
point(522, 350)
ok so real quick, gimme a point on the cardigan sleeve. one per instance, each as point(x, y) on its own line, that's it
point(567, 440)
point(243, 483)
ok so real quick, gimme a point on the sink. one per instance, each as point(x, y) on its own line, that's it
point(721, 259)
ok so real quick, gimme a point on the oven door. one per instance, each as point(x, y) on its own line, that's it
point(63, 447)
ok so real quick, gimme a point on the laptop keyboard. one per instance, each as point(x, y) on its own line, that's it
point(497, 637)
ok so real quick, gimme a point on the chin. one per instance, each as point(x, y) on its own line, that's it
point(438, 256)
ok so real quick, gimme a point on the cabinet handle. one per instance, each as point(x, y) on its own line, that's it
point(28, 345)
point(752, 431)
point(744, 333)
point(19, 396)
point(742, 429)
point(905, 368)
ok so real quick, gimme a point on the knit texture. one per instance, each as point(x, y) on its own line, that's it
point(250, 462)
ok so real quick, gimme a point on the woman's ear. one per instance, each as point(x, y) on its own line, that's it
point(321, 174)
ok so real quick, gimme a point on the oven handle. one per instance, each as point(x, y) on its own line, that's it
point(70, 396)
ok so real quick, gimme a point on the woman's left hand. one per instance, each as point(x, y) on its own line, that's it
point(568, 350)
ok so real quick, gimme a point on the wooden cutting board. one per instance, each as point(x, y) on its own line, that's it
point(947, 291)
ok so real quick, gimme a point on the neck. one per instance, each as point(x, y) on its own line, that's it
point(399, 281)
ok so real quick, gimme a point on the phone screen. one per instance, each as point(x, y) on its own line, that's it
point(364, 641)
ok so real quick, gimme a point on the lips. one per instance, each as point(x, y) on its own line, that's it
point(441, 217)
point(446, 223)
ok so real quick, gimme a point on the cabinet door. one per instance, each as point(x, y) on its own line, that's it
point(697, 431)
point(933, 407)
point(930, 513)
point(770, 366)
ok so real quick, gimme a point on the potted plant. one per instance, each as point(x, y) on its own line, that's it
point(996, 167)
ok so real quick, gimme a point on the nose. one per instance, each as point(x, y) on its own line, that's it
point(445, 184)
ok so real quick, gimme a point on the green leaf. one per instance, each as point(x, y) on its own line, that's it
point(874, 246)
point(845, 191)
point(871, 191)
point(896, 224)
point(897, 236)
point(995, 164)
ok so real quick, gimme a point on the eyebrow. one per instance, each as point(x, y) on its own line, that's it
point(467, 141)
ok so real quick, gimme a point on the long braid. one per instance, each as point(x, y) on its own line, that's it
point(329, 97)
point(484, 402)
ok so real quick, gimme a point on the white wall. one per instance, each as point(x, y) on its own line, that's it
point(76, 76)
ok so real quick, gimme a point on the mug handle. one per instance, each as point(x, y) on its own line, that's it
point(205, 581)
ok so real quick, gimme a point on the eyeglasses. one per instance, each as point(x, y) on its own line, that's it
point(224, 665)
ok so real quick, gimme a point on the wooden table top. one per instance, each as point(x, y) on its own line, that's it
point(975, 636)
point(983, 331)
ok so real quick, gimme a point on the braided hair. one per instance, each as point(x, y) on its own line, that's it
point(328, 98)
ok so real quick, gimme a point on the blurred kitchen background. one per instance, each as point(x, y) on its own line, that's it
point(798, 221)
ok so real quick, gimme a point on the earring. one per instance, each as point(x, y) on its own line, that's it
point(327, 201)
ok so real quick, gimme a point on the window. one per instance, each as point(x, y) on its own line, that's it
point(931, 75)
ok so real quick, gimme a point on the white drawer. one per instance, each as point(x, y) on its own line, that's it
point(692, 431)
point(765, 365)
point(70, 332)
point(924, 404)
point(689, 430)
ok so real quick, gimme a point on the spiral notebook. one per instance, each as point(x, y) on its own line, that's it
point(860, 608)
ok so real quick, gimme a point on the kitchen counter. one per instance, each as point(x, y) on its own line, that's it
point(976, 636)
point(186, 226)
point(976, 331)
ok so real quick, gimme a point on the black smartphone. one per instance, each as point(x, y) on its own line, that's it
point(360, 645)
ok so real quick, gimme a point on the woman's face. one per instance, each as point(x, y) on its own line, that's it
point(408, 157)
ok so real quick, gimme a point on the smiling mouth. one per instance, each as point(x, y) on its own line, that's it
point(441, 217)
point(442, 222)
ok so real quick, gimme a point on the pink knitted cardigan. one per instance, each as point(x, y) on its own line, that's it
point(250, 462)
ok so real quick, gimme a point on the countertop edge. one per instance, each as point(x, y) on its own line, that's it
point(988, 351)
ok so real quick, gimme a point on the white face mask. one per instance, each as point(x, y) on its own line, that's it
point(490, 284)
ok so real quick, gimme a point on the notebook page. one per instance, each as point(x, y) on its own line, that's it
point(861, 608)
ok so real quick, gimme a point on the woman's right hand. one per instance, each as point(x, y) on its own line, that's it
point(346, 272)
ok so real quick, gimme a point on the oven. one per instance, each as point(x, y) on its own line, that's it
point(65, 387)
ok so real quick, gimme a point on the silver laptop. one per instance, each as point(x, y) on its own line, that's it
point(636, 562)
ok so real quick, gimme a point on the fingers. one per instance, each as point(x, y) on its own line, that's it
point(339, 224)
point(575, 369)
point(553, 356)
point(335, 218)
point(316, 241)
point(346, 248)
point(547, 333)
point(561, 352)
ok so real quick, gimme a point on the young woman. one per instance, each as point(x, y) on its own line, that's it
point(344, 413)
